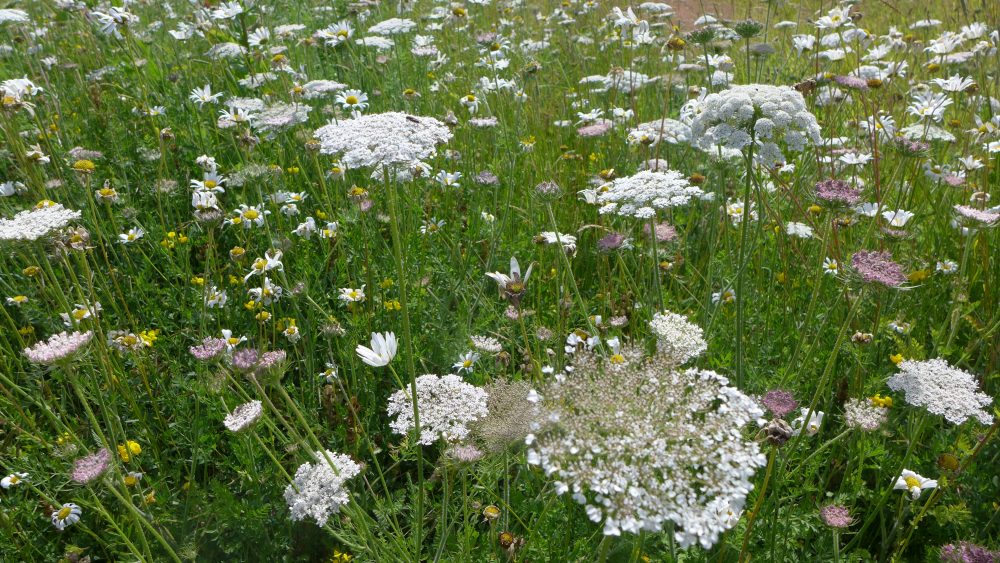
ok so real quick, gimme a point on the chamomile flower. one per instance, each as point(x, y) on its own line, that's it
point(914, 483)
point(471, 102)
point(466, 361)
point(248, 216)
point(67, 515)
point(946, 267)
point(354, 101)
point(204, 95)
point(349, 295)
point(131, 235)
point(830, 266)
point(232, 341)
point(13, 480)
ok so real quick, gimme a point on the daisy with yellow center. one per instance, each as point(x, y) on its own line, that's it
point(914, 483)
point(67, 515)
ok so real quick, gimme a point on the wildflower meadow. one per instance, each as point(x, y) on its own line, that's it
point(499, 280)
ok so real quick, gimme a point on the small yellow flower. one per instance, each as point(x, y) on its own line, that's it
point(880, 401)
point(197, 280)
point(84, 166)
point(386, 283)
point(149, 336)
point(129, 449)
point(815, 209)
point(263, 316)
point(31, 271)
point(896, 358)
point(919, 275)
point(132, 478)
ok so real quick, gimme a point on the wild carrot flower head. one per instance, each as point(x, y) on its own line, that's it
point(319, 489)
point(90, 467)
point(243, 416)
point(943, 390)
point(878, 267)
point(677, 339)
point(864, 414)
point(58, 347)
point(245, 358)
point(780, 402)
point(640, 443)
point(209, 348)
point(642, 194)
point(837, 191)
point(447, 405)
point(966, 552)
point(836, 516)
point(36, 223)
point(383, 139)
point(769, 116)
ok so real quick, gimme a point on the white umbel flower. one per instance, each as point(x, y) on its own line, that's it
point(767, 115)
point(943, 390)
point(36, 223)
point(642, 194)
point(640, 443)
point(677, 338)
point(243, 416)
point(447, 405)
point(319, 489)
point(383, 139)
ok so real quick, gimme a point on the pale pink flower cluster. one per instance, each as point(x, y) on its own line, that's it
point(58, 347)
point(243, 416)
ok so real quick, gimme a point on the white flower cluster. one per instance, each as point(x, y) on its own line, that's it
point(393, 26)
point(642, 194)
point(640, 443)
point(760, 113)
point(446, 404)
point(318, 489)
point(677, 338)
point(243, 416)
point(57, 347)
point(36, 223)
point(863, 415)
point(383, 139)
point(942, 389)
point(666, 130)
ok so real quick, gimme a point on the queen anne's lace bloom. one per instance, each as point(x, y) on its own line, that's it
point(640, 443)
point(243, 416)
point(642, 194)
point(58, 347)
point(36, 223)
point(318, 490)
point(383, 139)
point(446, 405)
point(942, 389)
point(677, 338)
point(768, 115)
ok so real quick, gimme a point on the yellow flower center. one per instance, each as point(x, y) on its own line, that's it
point(351, 100)
point(251, 214)
point(912, 482)
point(64, 513)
